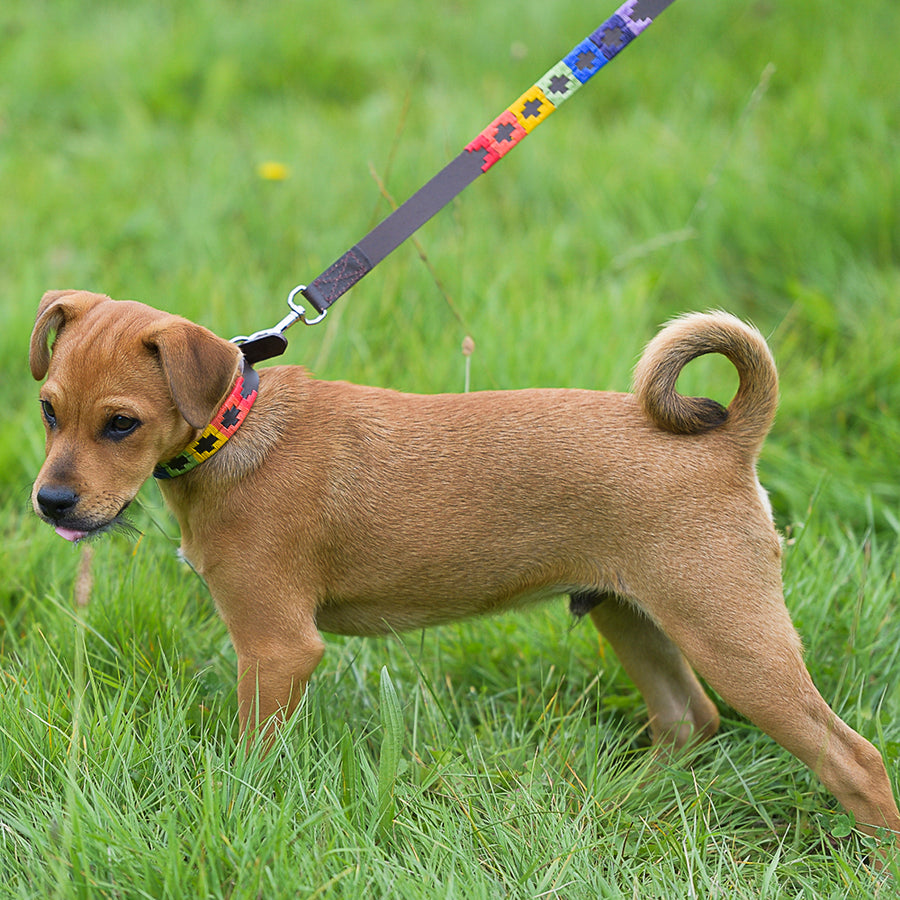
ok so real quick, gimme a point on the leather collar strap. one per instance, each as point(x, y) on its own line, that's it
point(507, 130)
point(227, 421)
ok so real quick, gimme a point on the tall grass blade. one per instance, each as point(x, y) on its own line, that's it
point(389, 761)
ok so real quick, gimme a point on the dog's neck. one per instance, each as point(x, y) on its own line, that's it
point(225, 423)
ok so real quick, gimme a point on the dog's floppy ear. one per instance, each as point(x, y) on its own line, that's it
point(55, 309)
point(200, 368)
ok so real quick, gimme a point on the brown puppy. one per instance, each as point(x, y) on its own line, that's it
point(374, 510)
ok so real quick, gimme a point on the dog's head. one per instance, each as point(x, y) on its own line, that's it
point(127, 387)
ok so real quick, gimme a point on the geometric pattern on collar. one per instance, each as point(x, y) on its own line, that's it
point(226, 422)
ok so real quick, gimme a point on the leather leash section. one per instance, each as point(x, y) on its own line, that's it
point(492, 144)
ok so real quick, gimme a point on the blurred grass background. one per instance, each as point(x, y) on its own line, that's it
point(740, 155)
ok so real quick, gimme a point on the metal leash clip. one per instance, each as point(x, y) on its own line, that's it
point(269, 342)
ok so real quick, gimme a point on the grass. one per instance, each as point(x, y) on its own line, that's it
point(740, 156)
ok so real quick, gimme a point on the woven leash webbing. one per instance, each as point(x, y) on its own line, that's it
point(510, 128)
point(506, 131)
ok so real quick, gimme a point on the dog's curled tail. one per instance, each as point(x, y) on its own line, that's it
point(748, 417)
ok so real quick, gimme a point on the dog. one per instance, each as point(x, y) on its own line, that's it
point(309, 505)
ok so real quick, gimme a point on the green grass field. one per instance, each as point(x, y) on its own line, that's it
point(741, 155)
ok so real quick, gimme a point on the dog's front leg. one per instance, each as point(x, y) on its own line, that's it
point(272, 677)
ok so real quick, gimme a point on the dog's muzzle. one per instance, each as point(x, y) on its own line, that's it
point(57, 505)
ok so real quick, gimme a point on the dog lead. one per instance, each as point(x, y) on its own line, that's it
point(492, 144)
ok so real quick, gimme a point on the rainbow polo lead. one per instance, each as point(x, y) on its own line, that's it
point(584, 61)
point(514, 124)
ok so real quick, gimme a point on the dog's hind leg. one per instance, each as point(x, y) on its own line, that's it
point(740, 638)
point(678, 707)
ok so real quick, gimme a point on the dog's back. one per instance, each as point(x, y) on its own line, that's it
point(580, 488)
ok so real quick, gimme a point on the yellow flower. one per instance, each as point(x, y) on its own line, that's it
point(273, 171)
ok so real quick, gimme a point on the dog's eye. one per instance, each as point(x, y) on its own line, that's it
point(121, 426)
point(49, 413)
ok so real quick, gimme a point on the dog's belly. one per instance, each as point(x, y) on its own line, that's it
point(375, 616)
point(436, 569)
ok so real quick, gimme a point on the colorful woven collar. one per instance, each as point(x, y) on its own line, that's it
point(227, 421)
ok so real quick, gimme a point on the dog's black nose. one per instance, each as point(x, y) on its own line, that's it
point(54, 502)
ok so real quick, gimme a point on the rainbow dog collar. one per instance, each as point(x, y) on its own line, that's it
point(227, 421)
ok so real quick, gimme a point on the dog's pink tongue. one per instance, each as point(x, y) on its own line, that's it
point(70, 535)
